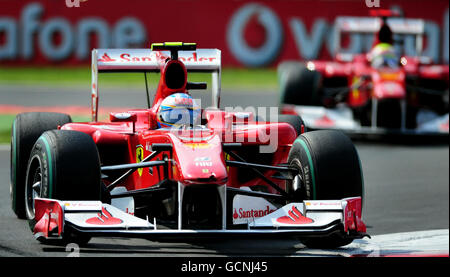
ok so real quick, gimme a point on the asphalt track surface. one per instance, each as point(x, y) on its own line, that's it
point(406, 189)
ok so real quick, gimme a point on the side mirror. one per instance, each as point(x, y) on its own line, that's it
point(123, 117)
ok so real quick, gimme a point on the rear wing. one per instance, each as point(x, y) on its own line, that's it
point(371, 25)
point(146, 60)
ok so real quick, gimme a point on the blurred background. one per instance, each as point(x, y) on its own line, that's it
point(45, 48)
point(45, 45)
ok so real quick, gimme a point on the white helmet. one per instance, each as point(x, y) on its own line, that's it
point(176, 110)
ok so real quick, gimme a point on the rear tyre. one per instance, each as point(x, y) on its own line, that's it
point(445, 100)
point(63, 165)
point(298, 84)
point(329, 169)
point(293, 120)
point(26, 129)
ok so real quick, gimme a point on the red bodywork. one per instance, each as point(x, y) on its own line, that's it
point(191, 179)
point(366, 82)
point(197, 156)
point(414, 79)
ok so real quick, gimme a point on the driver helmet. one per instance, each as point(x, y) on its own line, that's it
point(383, 54)
point(176, 110)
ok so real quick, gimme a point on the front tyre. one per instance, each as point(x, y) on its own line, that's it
point(26, 129)
point(63, 165)
point(329, 169)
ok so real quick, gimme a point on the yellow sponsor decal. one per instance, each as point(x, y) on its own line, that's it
point(227, 158)
point(197, 145)
point(139, 158)
point(355, 84)
point(205, 170)
point(390, 76)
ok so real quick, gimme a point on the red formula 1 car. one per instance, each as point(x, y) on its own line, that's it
point(223, 175)
point(380, 92)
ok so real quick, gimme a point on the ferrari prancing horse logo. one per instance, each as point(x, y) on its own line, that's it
point(139, 157)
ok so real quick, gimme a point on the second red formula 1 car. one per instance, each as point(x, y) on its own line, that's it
point(179, 170)
point(379, 92)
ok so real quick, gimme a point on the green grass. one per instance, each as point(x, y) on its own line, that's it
point(6, 121)
point(232, 78)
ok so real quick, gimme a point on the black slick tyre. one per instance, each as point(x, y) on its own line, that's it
point(294, 120)
point(298, 84)
point(329, 169)
point(26, 129)
point(63, 165)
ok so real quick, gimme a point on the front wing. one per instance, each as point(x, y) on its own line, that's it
point(319, 218)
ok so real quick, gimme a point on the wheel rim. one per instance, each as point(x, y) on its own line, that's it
point(36, 187)
point(296, 186)
point(33, 184)
point(296, 183)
